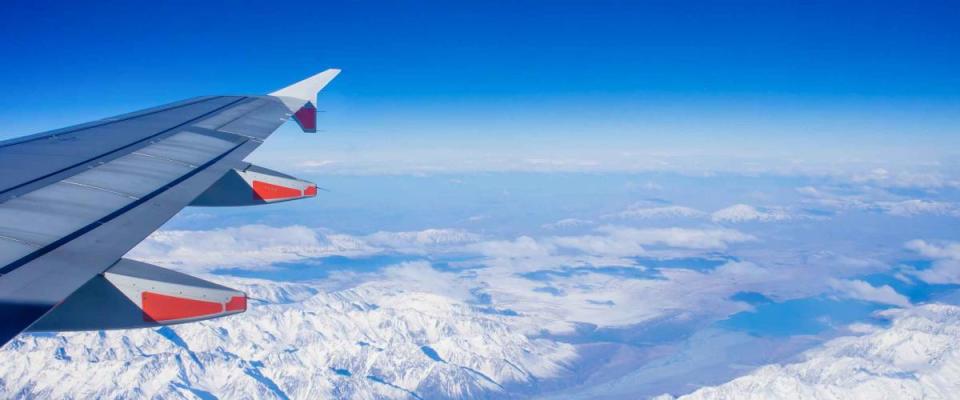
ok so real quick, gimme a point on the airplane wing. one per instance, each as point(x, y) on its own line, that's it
point(74, 201)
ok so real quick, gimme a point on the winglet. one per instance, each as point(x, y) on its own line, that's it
point(306, 90)
point(301, 98)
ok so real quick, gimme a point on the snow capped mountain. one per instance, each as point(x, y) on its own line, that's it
point(295, 342)
point(745, 213)
point(643, 211)
point(916, 357)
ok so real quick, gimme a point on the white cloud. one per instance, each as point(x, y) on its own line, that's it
point(679, 237)
point(809, 191)
point(315, 164)
point(420, 241)
point(945, 264)
point(611, 241)
point(521, 247)
point(734, 213)
point(567, 223)
point(890, 205)
point(505, 261)
point(905, 179)
point(380, 159)
point(828, 199)
point(615, 244)
point(908, 208)
point(551, 164)
point(860, 290)
point(243, 246)
point(949, 250)
point(745, 213)
point(639, 211)
point(259, 246)
point(941, 272)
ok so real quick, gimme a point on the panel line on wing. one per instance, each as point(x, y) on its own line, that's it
point(210, 132)
point(227, 117)
point(12, 248)
point(261, 104)
point(65, 206)
point(114, 151)
point(187, 147)
point(102, 189)
point(259, 122)
point(133, 173)
point(21, 241)
point(102, 122)
point(162, 158)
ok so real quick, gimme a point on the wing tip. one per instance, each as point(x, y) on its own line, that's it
point(307, 89)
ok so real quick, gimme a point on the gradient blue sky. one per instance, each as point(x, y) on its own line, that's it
point(870, 80)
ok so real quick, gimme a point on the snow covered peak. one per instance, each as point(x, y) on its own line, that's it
point(296, 342)
point(916, 357)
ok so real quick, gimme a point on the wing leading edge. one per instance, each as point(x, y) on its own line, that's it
point(74, 201)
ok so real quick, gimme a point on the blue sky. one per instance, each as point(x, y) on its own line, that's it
point(873, 81)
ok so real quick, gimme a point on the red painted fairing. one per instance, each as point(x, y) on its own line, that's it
point(237, 303)
point(160, 307)
point(306, 116)
point(269, 191)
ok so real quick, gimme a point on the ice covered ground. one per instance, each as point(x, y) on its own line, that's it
point(295, 342)
point(915, 358)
